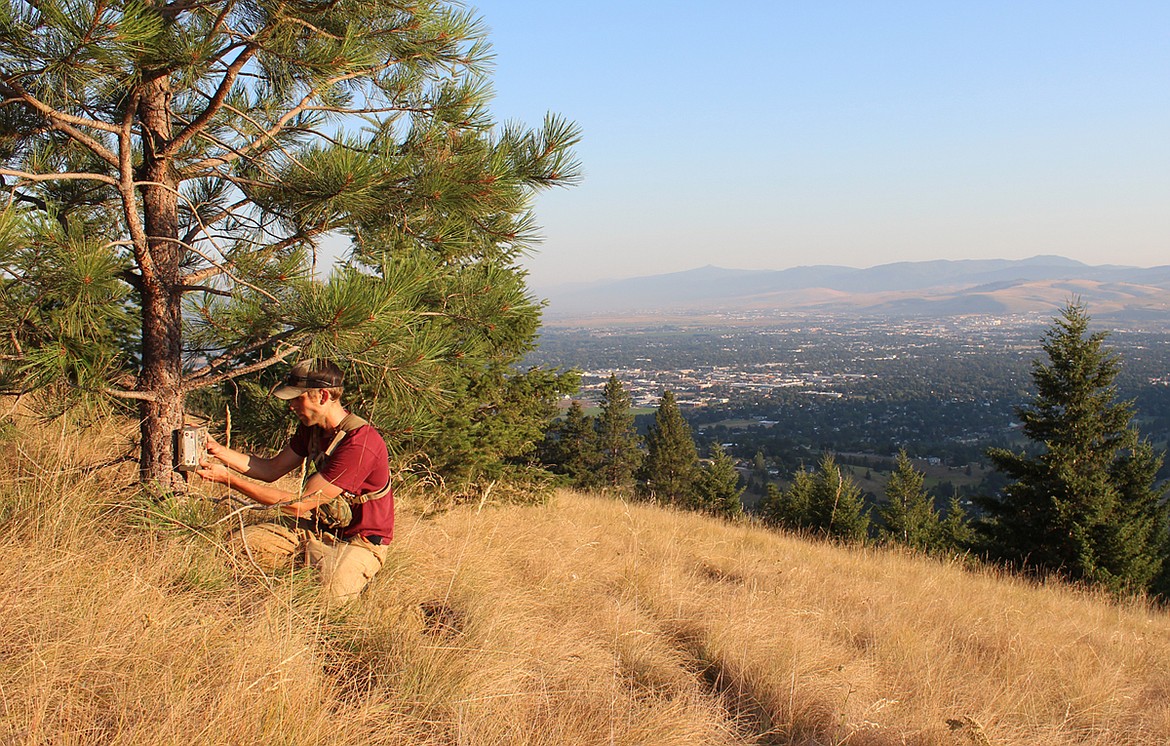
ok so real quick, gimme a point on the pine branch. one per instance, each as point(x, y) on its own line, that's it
point(203, 274)
point(58, 176)
point(129, 198)
point(217, 102)
point(203, 379)
point(205, 289)
point(202, 222)
point(191, 173)
point(250, 120)
point(36, 202)
point(373, 110)
point(222, 269)
point(221, 19)
point(116, 393)
point(175, 7)
point(66, 123)
point(239, 181)
point(226, 356)
point(139, 395)
point(311, 27)
point(292, 113)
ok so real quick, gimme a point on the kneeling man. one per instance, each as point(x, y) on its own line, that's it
point(343, 518)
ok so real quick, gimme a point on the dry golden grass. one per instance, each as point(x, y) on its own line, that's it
point(587, 621)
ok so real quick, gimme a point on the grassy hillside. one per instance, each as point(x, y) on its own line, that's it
point(587, 621)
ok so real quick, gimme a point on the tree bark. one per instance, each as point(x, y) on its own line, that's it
point(161, 291)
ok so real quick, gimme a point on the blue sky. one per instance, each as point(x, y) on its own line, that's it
point(777, 134)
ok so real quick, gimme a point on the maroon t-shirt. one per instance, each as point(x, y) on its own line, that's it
point(359, 465)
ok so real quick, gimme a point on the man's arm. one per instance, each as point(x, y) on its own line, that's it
point(318, 490)
point(256, 467)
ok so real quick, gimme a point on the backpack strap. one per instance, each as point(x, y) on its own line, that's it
point(349, 424)
point(345, 427)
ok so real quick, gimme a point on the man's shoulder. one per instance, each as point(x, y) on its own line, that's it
point(366, 436)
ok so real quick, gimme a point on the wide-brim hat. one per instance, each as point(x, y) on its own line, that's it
point(307, 375)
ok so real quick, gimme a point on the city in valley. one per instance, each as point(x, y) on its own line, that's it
point(791, 386)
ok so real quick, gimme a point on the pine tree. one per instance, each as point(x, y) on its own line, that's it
point(759, 475)
point(573, 448)
point(490, 429)
point(955, 531)
point(836, 507)
point(1136, 541)
point(618, 443)
point(789, 508)
point(908, 514)
point(1083, 504)
point(671, 470)
point(172, 169)
point(718, 487)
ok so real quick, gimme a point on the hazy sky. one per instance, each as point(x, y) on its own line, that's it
point(777, 134)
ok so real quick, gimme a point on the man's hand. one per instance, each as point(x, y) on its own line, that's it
point(222, 464)
point(214, 448)
point(296, 510)
point(214, 472)
point(231, 458)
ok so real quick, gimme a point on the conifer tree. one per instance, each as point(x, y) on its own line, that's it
point(956, 532)
point(1083, 503)
point(759, 476)
point(490, 428)
point(671, 470)
point(789, 508)
point(618, 443)
point(836, 507)
point(573, 448)
point(770, 506)
point(718, 486)
point(173, 168)
point(908, 514)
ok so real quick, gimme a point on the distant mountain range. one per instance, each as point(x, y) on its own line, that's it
point(934, 288)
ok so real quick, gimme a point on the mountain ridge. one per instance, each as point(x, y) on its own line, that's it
point(939, 287)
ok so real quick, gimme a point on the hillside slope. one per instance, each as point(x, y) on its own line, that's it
point(587, 621)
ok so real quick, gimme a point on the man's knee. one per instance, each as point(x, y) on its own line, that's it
point(270, 546)
point(349, 569)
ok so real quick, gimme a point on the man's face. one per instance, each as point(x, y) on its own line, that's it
point(309, 407)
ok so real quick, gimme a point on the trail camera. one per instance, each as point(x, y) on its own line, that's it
point(192, 447)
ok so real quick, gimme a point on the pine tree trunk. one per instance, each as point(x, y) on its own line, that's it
point(161, 375)
point(161, 294)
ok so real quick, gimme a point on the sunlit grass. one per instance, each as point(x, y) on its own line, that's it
point(585, 621)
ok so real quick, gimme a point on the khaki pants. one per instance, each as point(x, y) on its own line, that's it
point(344, 566)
